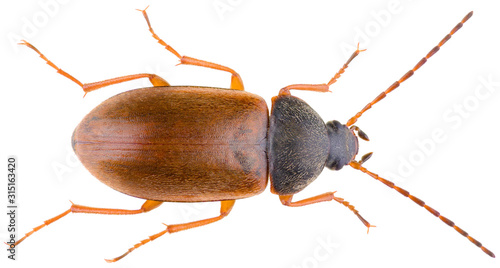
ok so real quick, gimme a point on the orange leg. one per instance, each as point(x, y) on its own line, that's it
point(321, 87)
point(236, 82)
point(147, 206)
point(329, 196)
point(225, 208)
point(155, 80)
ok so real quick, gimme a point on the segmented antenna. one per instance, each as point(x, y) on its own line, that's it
point(410, 72)
point(357, 165)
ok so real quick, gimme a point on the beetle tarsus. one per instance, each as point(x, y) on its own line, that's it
point(328, 196)
point(236, 81)
point(226, 207)
point(355, 211)
point(342, 70)
point(141, 243)
point(88, 87)
point(321, 87)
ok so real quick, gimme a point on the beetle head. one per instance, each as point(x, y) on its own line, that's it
point(343, 144)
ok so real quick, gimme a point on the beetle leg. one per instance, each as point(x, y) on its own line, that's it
point(147, 206)
point(155, 80)
point(225, 208)
point(341, 71)
point(236, 81)
point(322, 87)
point(329, 196)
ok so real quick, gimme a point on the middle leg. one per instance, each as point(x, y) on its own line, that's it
point(225, 208)
point(236, 82)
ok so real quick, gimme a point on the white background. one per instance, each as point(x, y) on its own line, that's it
point(271, 45)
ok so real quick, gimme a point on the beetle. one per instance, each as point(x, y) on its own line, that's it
point(198, 144)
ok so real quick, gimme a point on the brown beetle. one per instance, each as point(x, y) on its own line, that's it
point(194, 144)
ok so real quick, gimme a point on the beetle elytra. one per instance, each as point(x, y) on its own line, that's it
point(196, 144)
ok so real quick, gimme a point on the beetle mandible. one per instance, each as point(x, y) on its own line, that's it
point(197, 144)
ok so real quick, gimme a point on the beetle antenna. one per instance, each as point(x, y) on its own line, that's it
point(357, 165)
point(410, 72)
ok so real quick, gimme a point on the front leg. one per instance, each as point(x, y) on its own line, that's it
point(329, 196)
